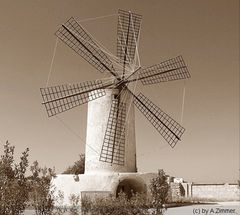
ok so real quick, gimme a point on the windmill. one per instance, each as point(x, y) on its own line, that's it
point(110, 129)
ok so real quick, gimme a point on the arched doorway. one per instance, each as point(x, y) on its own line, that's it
point(131, 186)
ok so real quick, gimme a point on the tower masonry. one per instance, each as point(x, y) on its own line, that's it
point(97, 120)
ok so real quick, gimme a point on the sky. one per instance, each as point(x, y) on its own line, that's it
point(205, 33)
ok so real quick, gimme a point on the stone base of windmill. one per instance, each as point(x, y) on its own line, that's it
point(101, 185)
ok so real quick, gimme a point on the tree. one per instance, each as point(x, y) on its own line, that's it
point(14, 186)
point(41, 190)
point(159, 191)
point(77, 167)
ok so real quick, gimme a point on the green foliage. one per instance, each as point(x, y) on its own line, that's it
point(159, 191)
point(14, 185)
point(41, 190)
point(77, 167)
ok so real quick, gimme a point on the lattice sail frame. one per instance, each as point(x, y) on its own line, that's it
point(164, 124)
point(58, 99)
point(169, 70)
point(127, 35)
point(74, 36)
point(113, 148)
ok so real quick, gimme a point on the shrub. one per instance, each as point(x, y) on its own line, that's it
point(14, 185)
point(41, 190)
point(138, 204)
point(86, 205)
point(75, 205)
point(115, 206)
point(60, 209)
point(77, 167)
point(159, 191)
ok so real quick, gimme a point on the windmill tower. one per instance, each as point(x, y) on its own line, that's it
point(111, 145)
point(110, 134)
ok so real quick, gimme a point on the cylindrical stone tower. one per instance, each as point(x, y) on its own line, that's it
point(98, 114)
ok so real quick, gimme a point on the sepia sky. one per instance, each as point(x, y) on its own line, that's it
point(205, 32)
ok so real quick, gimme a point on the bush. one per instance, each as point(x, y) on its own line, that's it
point(41, 191)
point(138, 204)
point(115, 206)
point(18, 191)
point(14, 186)
point(60, 209)
point(159, 191)
point(77, 167)
point(75, 205)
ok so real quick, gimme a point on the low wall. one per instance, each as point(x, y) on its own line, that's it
point(215, 192)
point(104, 184)
point(99, 184)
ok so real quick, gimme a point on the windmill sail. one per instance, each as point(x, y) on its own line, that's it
point(113, 148)
point(127, 36)
point(61, 98)
point(165, 125)
point(73, 34)
point(170, 70)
